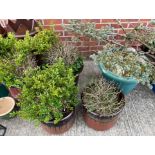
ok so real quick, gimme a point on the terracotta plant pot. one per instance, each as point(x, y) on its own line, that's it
point(64, 125)
point(98, 123)
point(7, 105)
point(14, 93)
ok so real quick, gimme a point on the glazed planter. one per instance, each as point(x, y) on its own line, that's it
point(7, 105)
point(153, 88)
point(3, 90)
point(126, 85)
point(102, 123)
point(64, 125)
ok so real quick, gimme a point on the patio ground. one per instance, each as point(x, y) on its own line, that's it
point(137, 118)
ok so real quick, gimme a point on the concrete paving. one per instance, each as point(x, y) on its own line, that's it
point(137, 118)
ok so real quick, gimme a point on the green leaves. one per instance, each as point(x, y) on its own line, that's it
point(7, 45)
point(47, 93)
point(19, 55)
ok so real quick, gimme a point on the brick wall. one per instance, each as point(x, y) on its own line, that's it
point(87, 45)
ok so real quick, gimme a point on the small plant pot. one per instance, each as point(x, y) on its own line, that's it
point(126, 85)
point(103, 123)
point(64, 125)
point(7, 105)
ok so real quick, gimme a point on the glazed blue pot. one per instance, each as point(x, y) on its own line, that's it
point(3, 90)
point(153, 88)
point(126, 85)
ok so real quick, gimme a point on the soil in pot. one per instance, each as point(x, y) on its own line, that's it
point(64, 125)
point(102, 123)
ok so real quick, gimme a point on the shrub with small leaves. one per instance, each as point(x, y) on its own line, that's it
point(11, 73)
point(101, 97)
point(7, 45)
point(69, 54)
point(41, 43)
point(48, 93)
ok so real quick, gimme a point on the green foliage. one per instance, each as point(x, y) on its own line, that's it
point(69, 54)
point(18, 55)
point(44, 41)
point(126, 62)
point(41, 43)
point(23, 48)
point(48, 94)
point(101, 97)
point(7, 45)
point(11, 73)
point(77, 66)
point(7, 72)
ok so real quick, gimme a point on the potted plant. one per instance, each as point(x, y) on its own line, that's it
point(49, 97)
point(10, 76)
point(70, 55)
point(124, 66)
point(144, 37)
point(140, 34)
point(102, 104)
point(36, 46)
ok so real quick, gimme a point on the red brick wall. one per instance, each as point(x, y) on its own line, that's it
point(87, 45)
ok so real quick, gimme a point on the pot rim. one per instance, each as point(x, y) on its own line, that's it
point(105, 116)
point(117, 77)
point(13, 105)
